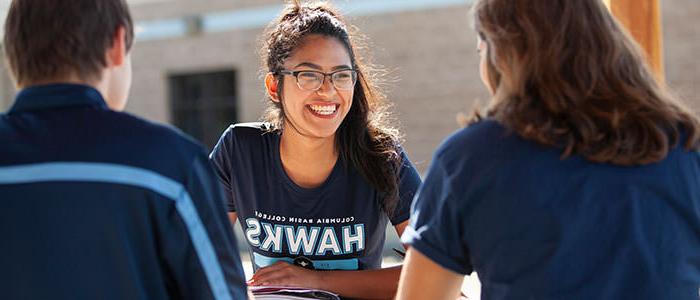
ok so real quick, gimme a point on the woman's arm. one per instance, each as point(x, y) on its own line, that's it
point(365, 284)
point(424, 279)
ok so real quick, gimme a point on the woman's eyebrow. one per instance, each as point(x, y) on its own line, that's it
point(317, 67)
point(308, 64)
point(341, 67)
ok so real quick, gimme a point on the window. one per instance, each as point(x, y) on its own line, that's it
point(203, 104)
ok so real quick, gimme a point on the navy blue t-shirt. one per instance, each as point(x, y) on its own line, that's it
point(534, 226)
point(99, 204)
point(339, 225)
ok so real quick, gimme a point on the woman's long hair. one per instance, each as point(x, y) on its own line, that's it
point(565, 74)
point(364, 139)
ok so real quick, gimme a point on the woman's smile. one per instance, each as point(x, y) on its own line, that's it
point(323, 110)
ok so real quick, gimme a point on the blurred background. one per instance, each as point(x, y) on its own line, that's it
point(196, 64)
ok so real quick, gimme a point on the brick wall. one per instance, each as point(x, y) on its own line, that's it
point(430, 56)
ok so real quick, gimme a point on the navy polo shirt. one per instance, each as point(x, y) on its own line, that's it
point(98, 204)
point(534, 226)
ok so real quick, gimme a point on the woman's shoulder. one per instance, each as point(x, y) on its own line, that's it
point(246, 137)
point(488, 144)
point(478, 137)
point(248, 132)
point(252, 128)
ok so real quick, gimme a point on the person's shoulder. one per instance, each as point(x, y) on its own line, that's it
point(161, 148)
point(251, 129)
point(478, 138)
point(248, 133)
point(156, 135)
point(680, 155)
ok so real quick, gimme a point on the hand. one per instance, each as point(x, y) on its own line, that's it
point(286, 274)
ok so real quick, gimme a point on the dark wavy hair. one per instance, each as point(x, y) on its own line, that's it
point(565, 74)
point(365, 139)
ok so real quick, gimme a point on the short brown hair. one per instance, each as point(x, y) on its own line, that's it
point(49, 39)
point(566, 74)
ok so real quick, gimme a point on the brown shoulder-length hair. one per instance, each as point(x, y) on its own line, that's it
point(365, 138)
point(54, 39)
point(564, 73)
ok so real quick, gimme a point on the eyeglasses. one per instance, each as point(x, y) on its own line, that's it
point(313, 80)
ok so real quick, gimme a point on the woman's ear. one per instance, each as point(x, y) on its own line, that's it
point(271, 85)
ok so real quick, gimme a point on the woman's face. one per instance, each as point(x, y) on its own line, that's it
point(482, 48)
point(316, 113)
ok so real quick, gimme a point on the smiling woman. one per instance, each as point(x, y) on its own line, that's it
point(315, 186)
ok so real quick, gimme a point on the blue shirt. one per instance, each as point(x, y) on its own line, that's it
point(98, 204)
point(534, 226)
point(339, 225)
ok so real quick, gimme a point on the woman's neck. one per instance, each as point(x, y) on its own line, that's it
point(308, 161)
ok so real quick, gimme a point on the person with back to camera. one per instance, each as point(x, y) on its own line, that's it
point(582, 181)
point(315, 186)
point(96, 203)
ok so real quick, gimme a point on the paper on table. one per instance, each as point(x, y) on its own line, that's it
point(289, 293)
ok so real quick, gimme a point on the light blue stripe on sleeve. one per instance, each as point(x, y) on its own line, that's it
point(126, 175)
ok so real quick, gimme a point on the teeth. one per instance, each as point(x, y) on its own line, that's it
point(323, 109)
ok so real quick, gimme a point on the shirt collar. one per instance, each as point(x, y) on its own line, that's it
point(60, 95)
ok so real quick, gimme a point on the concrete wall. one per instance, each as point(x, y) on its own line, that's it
point(681, 21)
point(7, 88)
